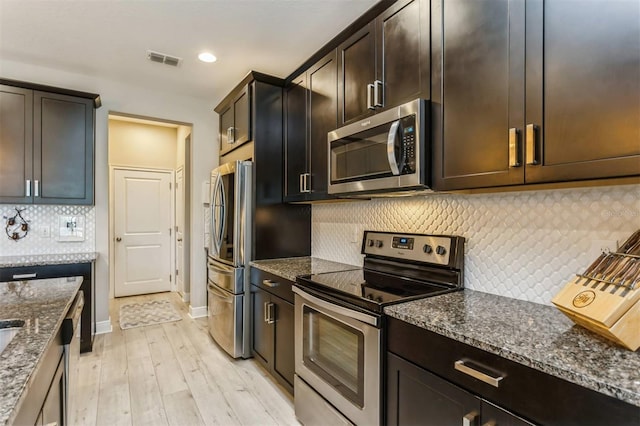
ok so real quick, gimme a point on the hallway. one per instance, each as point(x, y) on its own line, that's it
point(172, 373)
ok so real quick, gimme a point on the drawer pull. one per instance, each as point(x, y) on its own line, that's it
point(270, 283)
point(24, 276)
point(462, 367)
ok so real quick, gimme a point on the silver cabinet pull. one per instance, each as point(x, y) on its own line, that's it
point(266, 312)
point(272, 313)
point(24, 276)
point(532, 148)
point(462, 367)
point(306, 186)
point(377, 93)
point(514, 147)
point(27, 188)
point(302, 182)
point(270, 283)
point(36, 185)
point(469, 419)
point(370, 90)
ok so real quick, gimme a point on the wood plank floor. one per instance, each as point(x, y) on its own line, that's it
point(172, 374)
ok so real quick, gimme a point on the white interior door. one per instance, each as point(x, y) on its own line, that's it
point(142, 225)
point(180, 230)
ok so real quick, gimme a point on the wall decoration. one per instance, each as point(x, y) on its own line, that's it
point(17, 226)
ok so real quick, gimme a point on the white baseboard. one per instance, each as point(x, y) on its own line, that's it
point(104, 327)
point(186, 297)
point(199, 312)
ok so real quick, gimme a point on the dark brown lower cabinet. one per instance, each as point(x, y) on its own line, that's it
point(273, 326)
point(417, 397)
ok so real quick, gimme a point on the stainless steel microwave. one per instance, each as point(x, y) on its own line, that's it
point(387, 152)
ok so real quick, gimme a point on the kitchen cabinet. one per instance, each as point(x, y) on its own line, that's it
point(84, 270)
point(49, 140)
point(273, 325)
point(53, 409)
point(235, 120)
point(446, 380)
point(519, 92)
point(417, 396)
point(311, 112)
point(386, 63)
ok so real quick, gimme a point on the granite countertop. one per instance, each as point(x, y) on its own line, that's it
point(535, 335)
point(42, 304)
point(292, 267)
point(46, 259)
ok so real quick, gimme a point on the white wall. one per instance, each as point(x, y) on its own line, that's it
point(120, 97)
point(142, 145)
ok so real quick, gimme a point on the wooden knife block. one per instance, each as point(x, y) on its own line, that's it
point(612, 312)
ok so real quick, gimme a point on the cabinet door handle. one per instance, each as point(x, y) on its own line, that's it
point(36, 185)
point(462, 367)
point(272, 313)
point(307, 182)
point(490, 423)
point(24, 276)
point(27, 188)
point(470, 419)
point(370, 90)
point(514, 147)
point(532, 145)
point(266, 312)
point(301, 182)
point(377, 93)
point(270, 283)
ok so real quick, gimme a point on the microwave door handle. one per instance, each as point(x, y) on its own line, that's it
point(391, 148)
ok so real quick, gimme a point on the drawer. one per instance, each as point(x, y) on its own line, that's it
point(45, 271)
point(272, 283)
point(525, 391)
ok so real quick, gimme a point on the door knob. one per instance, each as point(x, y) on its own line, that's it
point(179, 239)
point(118, 239)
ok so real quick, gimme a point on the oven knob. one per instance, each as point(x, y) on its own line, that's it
point(441, 250)
point(427, 248)
point(378, 243)
point(370, 243)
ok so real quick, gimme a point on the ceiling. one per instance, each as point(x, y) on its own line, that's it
point(109, 38)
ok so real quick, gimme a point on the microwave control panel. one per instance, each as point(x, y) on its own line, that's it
point(408, 130)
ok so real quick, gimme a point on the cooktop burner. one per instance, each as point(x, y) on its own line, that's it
point(398, 268)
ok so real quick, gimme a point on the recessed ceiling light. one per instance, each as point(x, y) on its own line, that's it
point(207, 57)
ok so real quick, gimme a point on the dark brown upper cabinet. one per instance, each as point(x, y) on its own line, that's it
point(48, 139)
point(534, 92)
point(235, 120)
point(311, 104)
point(386, 63)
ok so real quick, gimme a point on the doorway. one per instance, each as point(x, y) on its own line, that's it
point(149, 165)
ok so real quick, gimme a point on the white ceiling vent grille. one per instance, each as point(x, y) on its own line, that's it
point(163, 58)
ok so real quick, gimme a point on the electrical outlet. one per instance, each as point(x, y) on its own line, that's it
point(601, 246)
point(45, 231)
point(356, 237)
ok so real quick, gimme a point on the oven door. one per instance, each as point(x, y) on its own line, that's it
point(338, 354)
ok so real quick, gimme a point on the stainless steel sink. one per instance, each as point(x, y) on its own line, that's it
point(8, 330)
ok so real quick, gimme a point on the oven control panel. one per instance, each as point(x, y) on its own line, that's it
point(422, 248)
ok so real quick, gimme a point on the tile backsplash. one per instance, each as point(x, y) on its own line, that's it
point(46, 216)
point(524, 245)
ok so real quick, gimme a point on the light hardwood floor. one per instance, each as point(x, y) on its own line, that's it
point(174, 374)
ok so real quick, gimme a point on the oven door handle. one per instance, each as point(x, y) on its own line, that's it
point(391, 148)
point(332, 307)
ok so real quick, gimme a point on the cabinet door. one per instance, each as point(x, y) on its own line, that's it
point(417, 397)
point(583, 85)
point(16, 144)
point(283, 356)
point(242, 117)
point(63, 144)
point(53, 409)
point(493, 415)
point(357, 70)
point(226, 126)
point(295, 149)
point(477, 92)
point(262, 344)
point(323, 118)
point(403, 49)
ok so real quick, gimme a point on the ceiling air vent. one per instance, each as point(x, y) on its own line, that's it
point(163, 58)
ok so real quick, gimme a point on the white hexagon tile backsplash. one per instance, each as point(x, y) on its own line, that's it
point(524, 245)
point(40, 216)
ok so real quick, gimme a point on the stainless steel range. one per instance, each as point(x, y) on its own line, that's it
point(339, 328)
